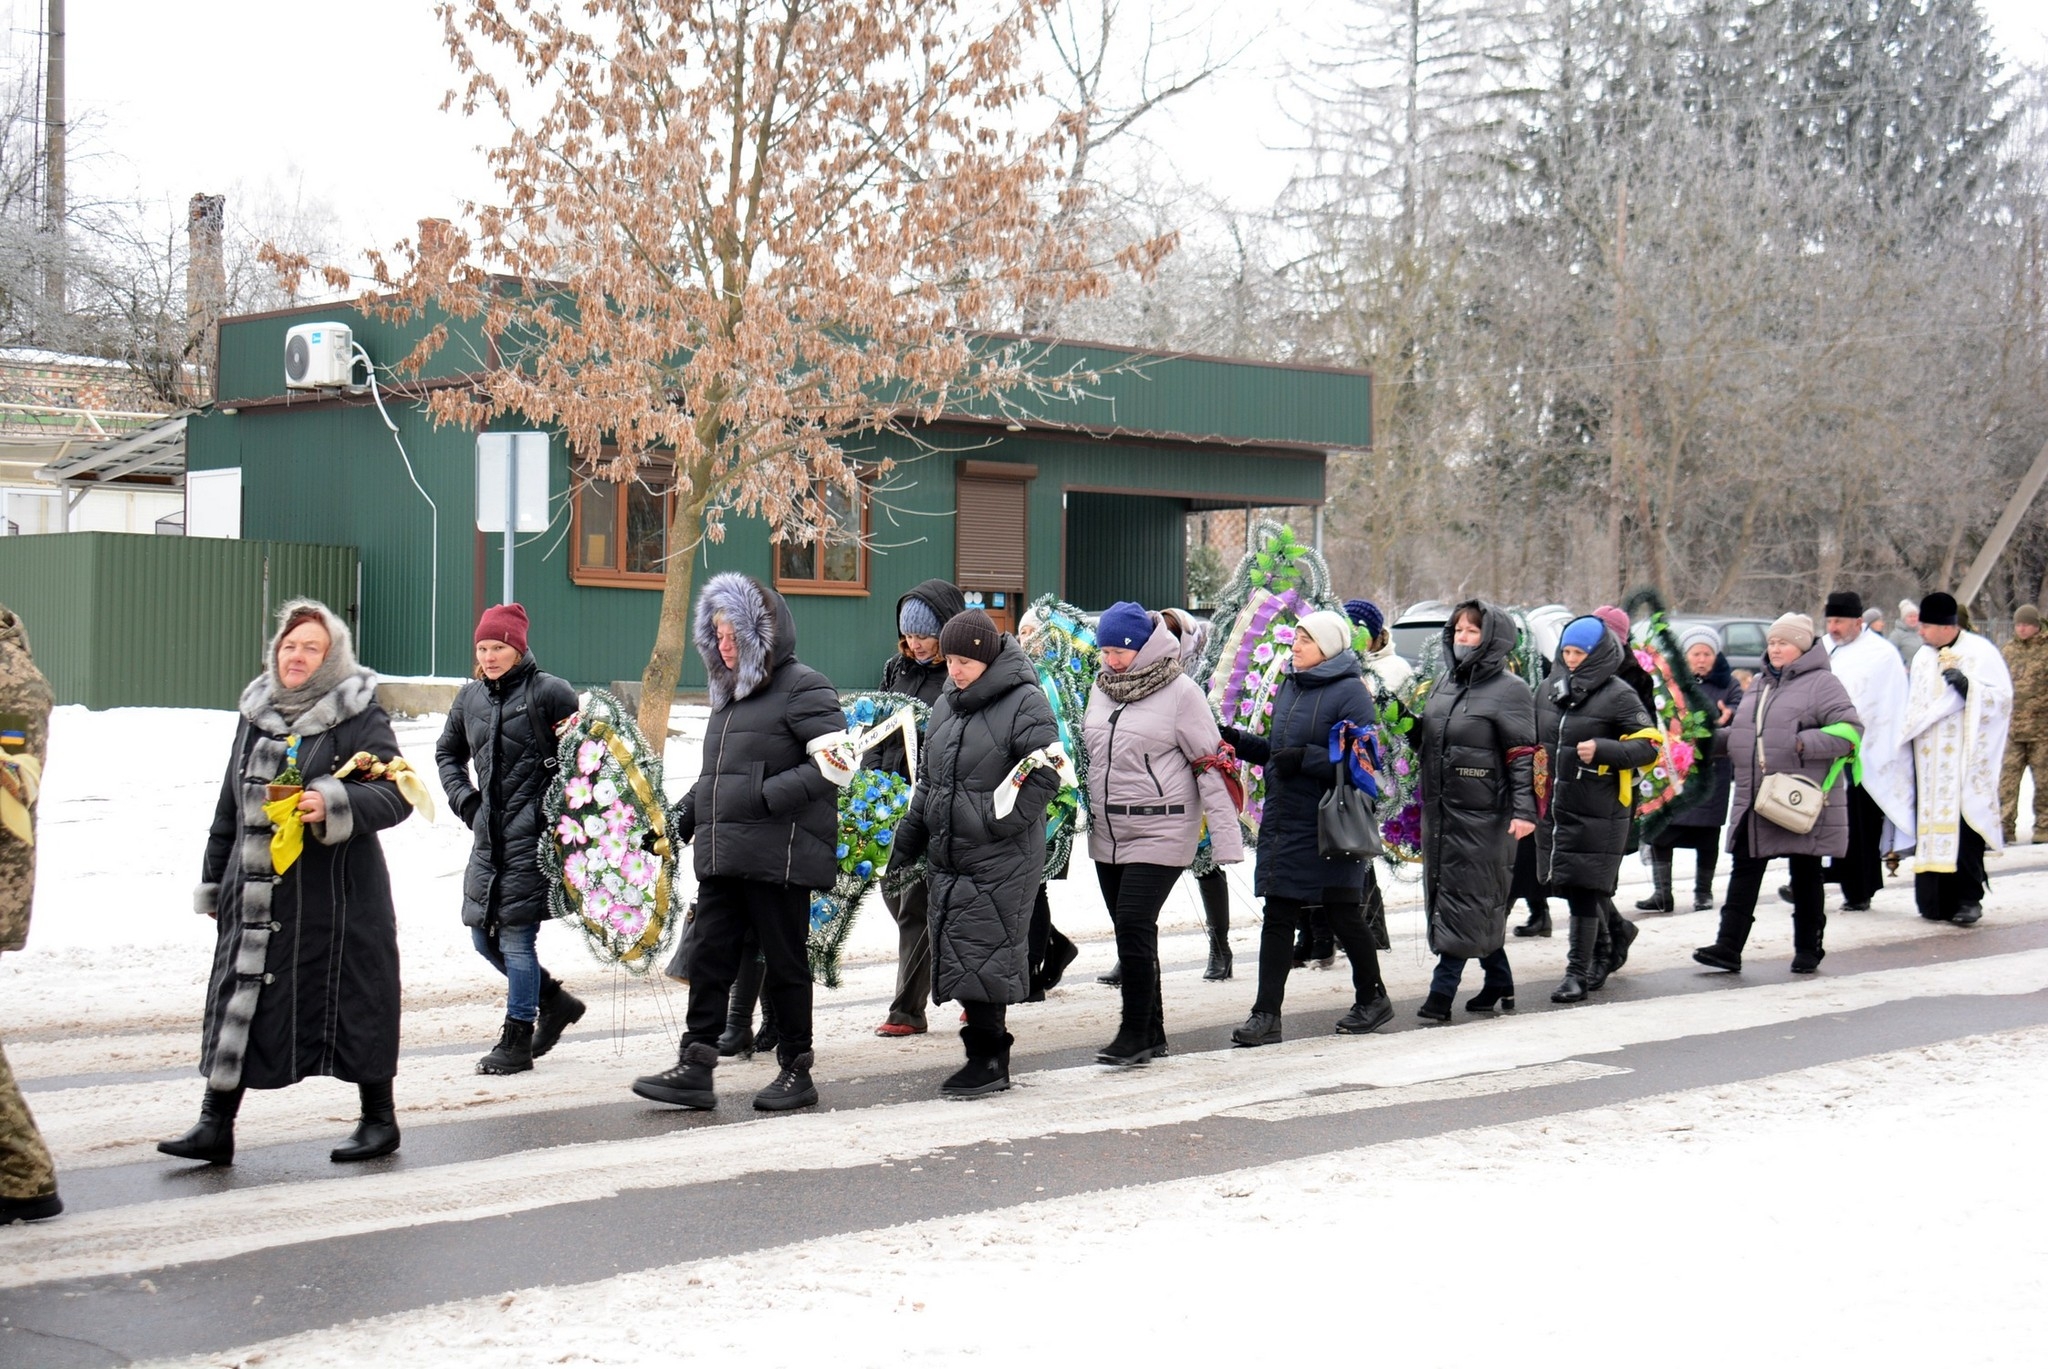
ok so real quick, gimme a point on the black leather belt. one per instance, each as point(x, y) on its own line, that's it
point(1145, 810)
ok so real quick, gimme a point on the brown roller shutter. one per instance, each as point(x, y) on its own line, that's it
point(988, 533)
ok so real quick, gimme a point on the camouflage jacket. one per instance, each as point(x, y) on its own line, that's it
point(25, 701)
point(2028, 662)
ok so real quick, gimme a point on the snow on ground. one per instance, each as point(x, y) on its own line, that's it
point(1873, 1211)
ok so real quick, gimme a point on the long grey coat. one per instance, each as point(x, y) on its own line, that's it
point(984, 869)
point(1793, 710)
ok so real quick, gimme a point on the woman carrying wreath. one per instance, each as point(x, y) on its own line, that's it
point(984, 835)
point(503, 726)
point(305, 966)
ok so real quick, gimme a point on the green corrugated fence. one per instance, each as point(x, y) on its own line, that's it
point(125, 620)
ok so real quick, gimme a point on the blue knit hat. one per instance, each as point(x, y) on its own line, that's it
point(1366, 614)
point(1125, 626)
point(1583, 633)
point(916, 619)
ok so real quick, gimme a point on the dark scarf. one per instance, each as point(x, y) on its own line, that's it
point(1134, 685)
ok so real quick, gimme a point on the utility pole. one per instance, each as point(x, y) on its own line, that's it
point(53, 154)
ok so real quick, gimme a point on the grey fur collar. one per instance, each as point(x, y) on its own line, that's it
point(356, 692)
point(740, 601)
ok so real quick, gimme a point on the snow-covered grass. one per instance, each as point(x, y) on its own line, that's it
point(1871, 1212)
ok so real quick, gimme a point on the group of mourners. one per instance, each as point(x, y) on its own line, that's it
point(1525, 794)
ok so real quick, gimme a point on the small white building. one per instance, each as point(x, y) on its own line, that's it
point(84, 448)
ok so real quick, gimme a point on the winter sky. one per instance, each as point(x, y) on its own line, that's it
point(339, 103)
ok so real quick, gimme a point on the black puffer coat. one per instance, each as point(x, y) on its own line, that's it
point(1581, 839)
point(903, 673)
point(1472, 789)
point(1720, 687)
point(762, 808)
point(504, 729)
point(984, 869)
point(1308, 704)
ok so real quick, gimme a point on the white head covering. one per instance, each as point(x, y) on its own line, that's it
point(1697, 633)
point(1330, 631)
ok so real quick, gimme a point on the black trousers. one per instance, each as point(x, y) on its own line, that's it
point(1861, 872)
point(1134, 894)
point(1941, 896)
point(1276, 949)
point(1746, 882)
point(780, 917)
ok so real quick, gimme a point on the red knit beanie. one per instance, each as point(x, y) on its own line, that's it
point(503, 623)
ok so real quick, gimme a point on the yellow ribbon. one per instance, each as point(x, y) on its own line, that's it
point(290, 837)
point(1628, 777)
point(643, 791)
point(400, 772)
point(21, 778)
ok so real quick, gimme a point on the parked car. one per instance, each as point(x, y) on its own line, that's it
point(1742, 639)
point(1415, 629)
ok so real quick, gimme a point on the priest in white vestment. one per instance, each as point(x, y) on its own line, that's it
point(1881, 807)
point(1957, 713)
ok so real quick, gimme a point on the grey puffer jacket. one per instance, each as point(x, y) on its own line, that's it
point(761, 809)
point(1474, 784)
point(984, 869)
point(505, 730)
point(1146, 801)
point(1580, 841)
point(1791, 711)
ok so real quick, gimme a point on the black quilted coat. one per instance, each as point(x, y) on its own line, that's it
point(1477, 714)
point(1580, 842)
point(984, 869)
point(761, 809)
point(503, 730)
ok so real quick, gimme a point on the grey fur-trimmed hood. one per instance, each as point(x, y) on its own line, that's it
point(354, 688)
point(762, 625)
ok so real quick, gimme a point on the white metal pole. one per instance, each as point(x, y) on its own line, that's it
point(511, 509)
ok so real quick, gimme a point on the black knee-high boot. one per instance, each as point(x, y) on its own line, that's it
point(1703, 878)
point(377, 1133)
point(1659, 901)
point(1215, 891)
point(212, 1137)
point(1133, 1043)
point(739, 1013)
point(1578, 965)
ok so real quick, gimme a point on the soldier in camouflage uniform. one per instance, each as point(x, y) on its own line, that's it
point(28, 1181)
point(2026, 657)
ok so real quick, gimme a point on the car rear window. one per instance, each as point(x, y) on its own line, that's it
point(1744, 639)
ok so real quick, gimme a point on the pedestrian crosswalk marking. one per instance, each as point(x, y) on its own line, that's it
point(1401, 1095)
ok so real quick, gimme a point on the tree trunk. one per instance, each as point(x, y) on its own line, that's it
point(672, 633)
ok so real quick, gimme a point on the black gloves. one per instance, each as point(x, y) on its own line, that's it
point(1232, 735)
point(1957, 681)
point(647, 840)
point(1286, 762)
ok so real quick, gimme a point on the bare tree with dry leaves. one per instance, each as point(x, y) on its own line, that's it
point(735, 234)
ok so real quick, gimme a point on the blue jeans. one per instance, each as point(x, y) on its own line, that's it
point(1451, 968)
point(511, 950)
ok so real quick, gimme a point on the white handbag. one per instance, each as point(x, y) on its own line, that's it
point(1792, 802)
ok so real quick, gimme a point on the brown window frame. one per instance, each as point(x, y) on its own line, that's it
point(658, 479)
point(854, 588)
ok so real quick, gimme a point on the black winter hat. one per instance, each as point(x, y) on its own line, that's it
point(1938, 610)
point(972, 635)
point(1845, 603)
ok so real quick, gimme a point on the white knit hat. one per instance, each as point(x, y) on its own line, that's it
point(1330, 631)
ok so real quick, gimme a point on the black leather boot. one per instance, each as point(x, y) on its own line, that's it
point(377, 1133)
point(739, 1038)
point(1366, 1017)
point(1113, 976)
point(1060, 952)
point(212, 1138)
point(1659, 901)
point(1133, 1043)
point(1703, 881)
point(685, 1084)
point(1493, 997)
point(987, 1069)
point(559, 1011)
point(1538, 923)
point(790, 1089)
point(1578, 965)
point(1216, 912)
point(1621, 934)
point(514, 1052)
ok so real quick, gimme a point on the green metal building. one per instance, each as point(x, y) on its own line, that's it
point(1086, 499)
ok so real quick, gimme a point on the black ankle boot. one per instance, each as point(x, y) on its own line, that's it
point(377, 1133)
point(559, 1011)
point(1260, 1029)
point(685, 1084)
point(1537, 925)
point(514, 1052)
point(1216, 914)
point(987, 1069)
point(739, 1038)
point(791, 1089)
point(1060, 952)
point(1578, 966)
point(1491, 996)
point(212, 1138)
point(1435, 1008)
point(1113, 976)
point(1366, 1017)
point(1726, 952)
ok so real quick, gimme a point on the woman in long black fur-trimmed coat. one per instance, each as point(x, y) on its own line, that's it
point(305, 966)
point(985, 867)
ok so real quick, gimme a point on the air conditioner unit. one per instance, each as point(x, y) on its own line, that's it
point(318, 356)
